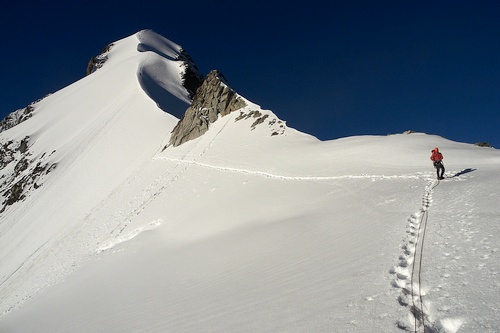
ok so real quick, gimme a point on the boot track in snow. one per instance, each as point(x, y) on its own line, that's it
point(408, 273)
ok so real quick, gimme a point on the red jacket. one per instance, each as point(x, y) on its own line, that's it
point(436, 155)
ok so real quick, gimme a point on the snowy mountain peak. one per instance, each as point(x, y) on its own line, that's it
point(150, 41)
point(153, 42)
point(165, 70)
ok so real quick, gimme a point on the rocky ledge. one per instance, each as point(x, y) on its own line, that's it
point(21, 174)
point(213, 98)
point(98, 61)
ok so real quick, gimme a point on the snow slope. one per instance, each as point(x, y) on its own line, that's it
point(98, 131)
point(238, 230)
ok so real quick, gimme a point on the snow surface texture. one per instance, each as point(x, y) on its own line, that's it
point(239, 230)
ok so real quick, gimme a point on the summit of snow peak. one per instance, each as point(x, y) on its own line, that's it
point(165, 71)
point(151, 41)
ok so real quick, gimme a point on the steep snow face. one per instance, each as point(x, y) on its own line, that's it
point(163, 71)
point(95, 133)
point(162, 65)
point(145, 63)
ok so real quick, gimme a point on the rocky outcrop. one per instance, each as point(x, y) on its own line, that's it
point(15, 118)
point(21, 174)
point(18, 116)
point(191, 78)
point(213, 98)
point(483, 144)
point(98, 61)
point(276, 126)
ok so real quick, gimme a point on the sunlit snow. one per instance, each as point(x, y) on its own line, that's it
point(239, 230)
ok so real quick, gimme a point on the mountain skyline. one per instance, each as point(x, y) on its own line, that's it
point(329, 69)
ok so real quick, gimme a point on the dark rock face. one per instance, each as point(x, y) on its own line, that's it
point(98, 61)
point(483, 144)
point(212, 99)
point(276, 126)
point(16, 117)
point(191, 78)
point(21, 174)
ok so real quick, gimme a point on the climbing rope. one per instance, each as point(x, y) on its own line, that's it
point(423, 222)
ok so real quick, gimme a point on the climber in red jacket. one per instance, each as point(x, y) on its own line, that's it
point(437, 159)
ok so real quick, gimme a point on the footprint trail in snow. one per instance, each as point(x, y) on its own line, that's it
point(408, 272)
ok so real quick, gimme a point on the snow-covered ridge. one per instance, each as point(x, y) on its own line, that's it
point(97, 131)
point(165, 71)
point(151, 41)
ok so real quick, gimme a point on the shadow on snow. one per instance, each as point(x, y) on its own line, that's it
point(464, 171)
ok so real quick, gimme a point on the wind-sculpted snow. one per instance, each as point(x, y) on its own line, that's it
point(152, 42)
point(155, 76)
point(164, 71)
point(161, 73)
point(118, 240)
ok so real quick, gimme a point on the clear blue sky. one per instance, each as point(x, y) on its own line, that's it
point(329, 68)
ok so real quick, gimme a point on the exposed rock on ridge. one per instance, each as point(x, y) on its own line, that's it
point(18, 116)
point(98, 61)
point(23, 175)
point(191, 78)
point(212, 99)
